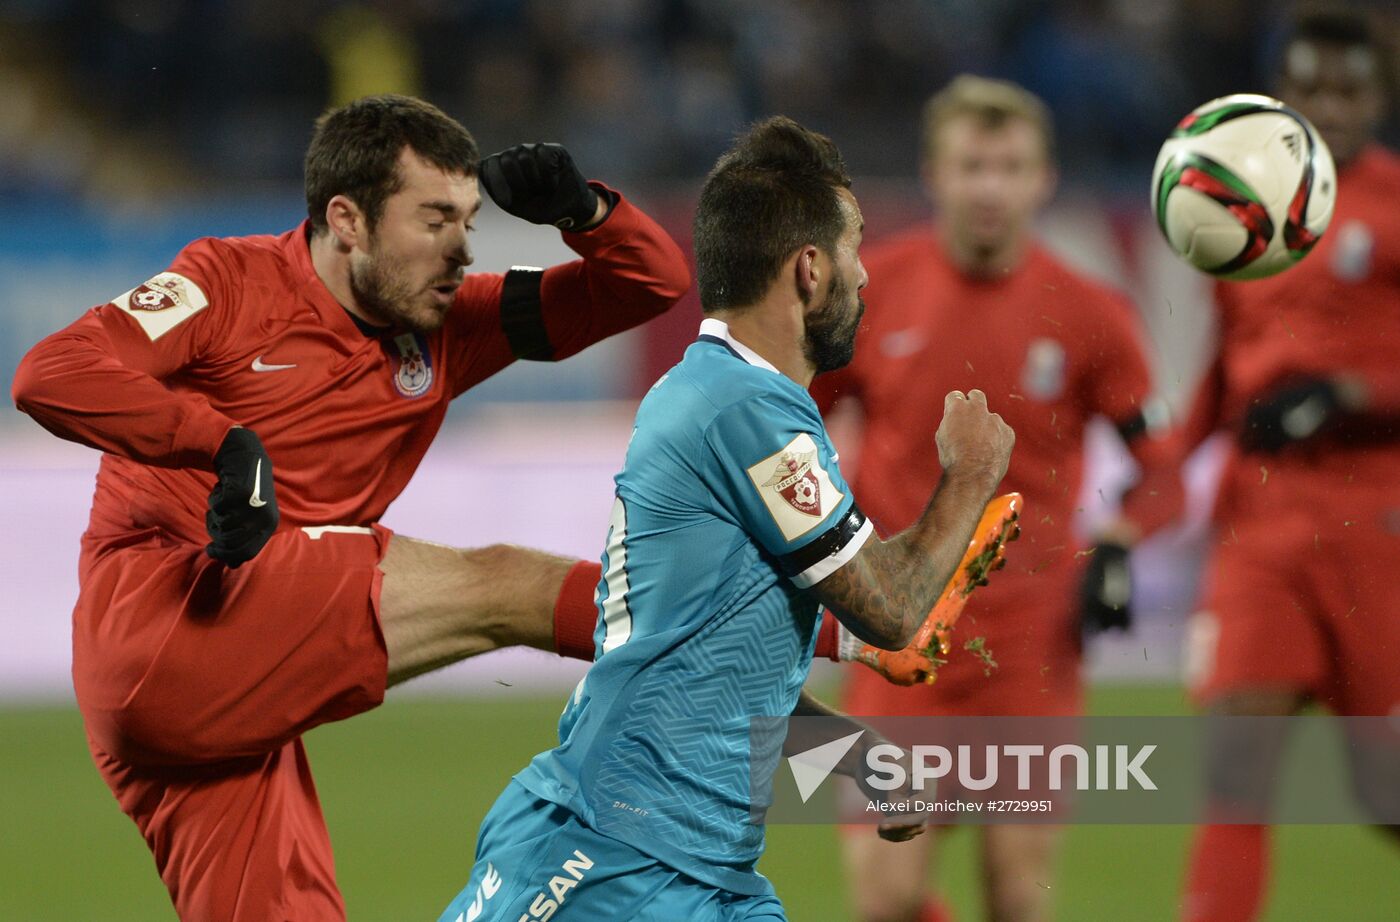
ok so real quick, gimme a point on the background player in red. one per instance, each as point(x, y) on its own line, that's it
point(269, 397)
point(1299, 600)
point(973, 301)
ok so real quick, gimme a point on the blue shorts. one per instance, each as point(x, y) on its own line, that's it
point(535, 861)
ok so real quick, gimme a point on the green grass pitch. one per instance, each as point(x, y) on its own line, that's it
point(405, 786)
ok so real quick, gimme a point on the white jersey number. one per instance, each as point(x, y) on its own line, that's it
point(617, 617)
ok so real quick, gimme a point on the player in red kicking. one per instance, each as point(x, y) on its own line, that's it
point(1299, 600)
point(259, 405)
point(973, 301)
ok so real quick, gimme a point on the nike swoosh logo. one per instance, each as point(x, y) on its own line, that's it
point(258, 365)
point(256, 501)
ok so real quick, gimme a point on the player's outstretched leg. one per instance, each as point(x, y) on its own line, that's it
point(440, 604)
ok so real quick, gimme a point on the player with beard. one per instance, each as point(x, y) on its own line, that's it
point(731, 525)
point(971, 300)
point(1299, 601)
point(259, 404)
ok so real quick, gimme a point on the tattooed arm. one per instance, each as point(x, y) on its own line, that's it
point(883, 593)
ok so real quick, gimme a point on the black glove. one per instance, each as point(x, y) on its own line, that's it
point(242, 512)
point(1291, 413)
point(1107, 591)
point(539, 183)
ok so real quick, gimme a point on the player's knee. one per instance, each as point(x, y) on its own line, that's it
point(1240, 781)
point(130, 724)
point(1019, 869)
point(899, 905)
point(1243, 760)
point(1020, 896)
point(140, 735)
point(178, 730)
point(884, 890)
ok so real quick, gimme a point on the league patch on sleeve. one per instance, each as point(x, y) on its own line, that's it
point(162, 303)
point(795, 488)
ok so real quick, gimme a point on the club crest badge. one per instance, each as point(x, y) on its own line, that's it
point(794, 481)
point(1354, 251)
point(1043, 376)
point(413, 374)
point(162, 303)
point(796, 489)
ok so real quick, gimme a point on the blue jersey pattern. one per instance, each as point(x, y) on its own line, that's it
point(729, 502)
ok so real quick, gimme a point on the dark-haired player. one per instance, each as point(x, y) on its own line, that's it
point(259, 405)
point(1300, 598)
point(731, 525)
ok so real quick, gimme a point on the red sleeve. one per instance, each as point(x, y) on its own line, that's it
point(103, 381)
point(1116, 381)
point(1119, 387)
point(1206, 414)
point(832, 386)
point(631, 271)
point(1158, 498)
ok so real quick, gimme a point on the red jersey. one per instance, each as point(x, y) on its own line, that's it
point(1336, 311)
point(1048, 347)
point(241, 330)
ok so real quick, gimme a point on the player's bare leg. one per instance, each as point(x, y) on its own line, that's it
point(1018, 871)
point(441, 604)
point(887, 879)
point(1242, 766)
point(1228, 864)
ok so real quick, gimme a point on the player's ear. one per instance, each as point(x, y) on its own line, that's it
point(807, 272)
point(346, 221)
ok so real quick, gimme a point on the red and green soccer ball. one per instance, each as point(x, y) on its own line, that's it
point(1244, 187)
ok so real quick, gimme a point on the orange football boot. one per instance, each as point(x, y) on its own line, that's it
point(919, 661)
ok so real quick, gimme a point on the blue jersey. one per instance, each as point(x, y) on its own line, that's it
point(729, 503)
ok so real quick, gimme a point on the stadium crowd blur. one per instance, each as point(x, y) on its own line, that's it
point(128, 99)
point(129, 126)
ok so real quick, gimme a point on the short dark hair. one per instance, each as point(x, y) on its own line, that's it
point(1330, 24)
point(355, 151)
point(774, 191)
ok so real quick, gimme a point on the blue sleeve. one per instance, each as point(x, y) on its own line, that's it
point(772, 470)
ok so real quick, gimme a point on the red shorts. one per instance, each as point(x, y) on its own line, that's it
point(1029, 626)
point(196, 682)
point(1302, 597)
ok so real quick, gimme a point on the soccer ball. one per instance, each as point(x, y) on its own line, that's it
point(1244, 187)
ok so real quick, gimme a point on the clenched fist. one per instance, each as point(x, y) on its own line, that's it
point(539, 183)
point(972, 440)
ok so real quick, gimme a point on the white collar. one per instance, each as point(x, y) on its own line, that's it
point(712, 326)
